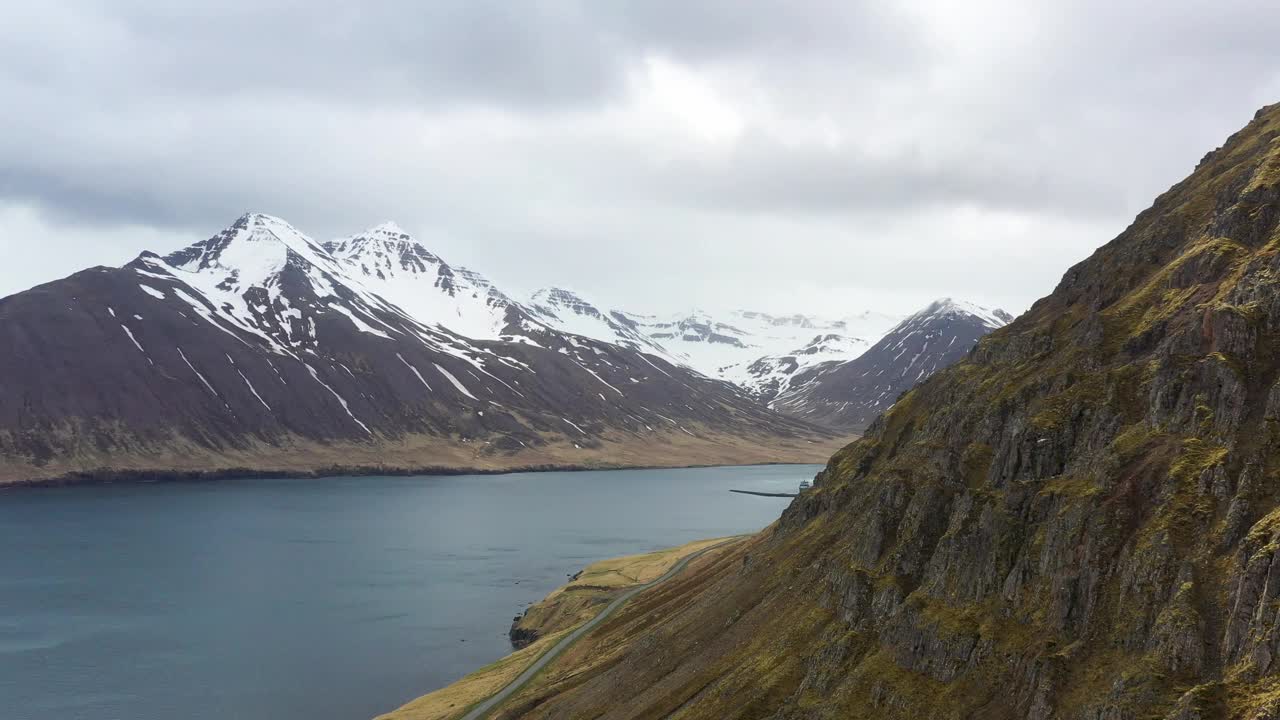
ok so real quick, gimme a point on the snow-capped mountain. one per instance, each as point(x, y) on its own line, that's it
point(850, 394)
point(262, 349)
point(733, 346)
point(386, 260)
point(726, 345)
point(771, 375)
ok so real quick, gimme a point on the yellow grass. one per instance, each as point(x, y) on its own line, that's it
point(416, 452)
point(633, 569)
point(559, 613)
point(453, 700)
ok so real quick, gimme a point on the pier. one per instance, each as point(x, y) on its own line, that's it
point(764, 494)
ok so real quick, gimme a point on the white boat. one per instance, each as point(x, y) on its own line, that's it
point(805, 485)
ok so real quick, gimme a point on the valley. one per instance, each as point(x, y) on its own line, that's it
point(565, 360)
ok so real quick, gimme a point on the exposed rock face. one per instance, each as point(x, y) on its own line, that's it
point(1079, 520)
point(850, 394)
point(520, 636)
point(262, 349)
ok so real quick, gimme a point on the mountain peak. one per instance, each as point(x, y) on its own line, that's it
point(561, 305)
point(557, 296)
point(387, 232)
point(251, 216)
point(948, 306)
point(253, 247)
point(387, 246)
point(387, 228)
point(262, 222)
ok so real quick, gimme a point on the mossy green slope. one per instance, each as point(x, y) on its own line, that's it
point(1078, 521)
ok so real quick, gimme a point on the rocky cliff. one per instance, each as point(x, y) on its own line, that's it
point(1080, 520)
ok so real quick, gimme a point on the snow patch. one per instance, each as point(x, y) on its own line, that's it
point(449, 376)
point(254, 391)
point(197, 372)
point(415, 372)
point(342, 400)
point(136, 344)
point(361, 325)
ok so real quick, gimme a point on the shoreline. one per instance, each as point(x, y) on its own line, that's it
point(109, 476)
point(562, 617)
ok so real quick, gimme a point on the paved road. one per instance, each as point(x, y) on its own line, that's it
point(523, 678)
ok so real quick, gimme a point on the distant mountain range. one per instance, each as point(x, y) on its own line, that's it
point(261, 349)
point(841, 373)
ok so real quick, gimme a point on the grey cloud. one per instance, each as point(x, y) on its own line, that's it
point(763, 176)
point(535, 53)
point(126, 104)
point(502, 130)
point(396, 52)
point(715, 29)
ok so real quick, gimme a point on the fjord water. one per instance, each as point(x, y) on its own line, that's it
point(325, 599)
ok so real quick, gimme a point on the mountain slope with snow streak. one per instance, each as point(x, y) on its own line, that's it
point(389, 262)
point(261, 350)
point(850, 394)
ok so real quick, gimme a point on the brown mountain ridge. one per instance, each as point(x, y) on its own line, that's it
point(1079, 520)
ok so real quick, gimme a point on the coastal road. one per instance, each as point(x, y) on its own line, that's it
point(483, 708)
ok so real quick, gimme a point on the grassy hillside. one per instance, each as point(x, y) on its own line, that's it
point(545, 623)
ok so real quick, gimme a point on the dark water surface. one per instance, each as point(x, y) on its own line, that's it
point(332, 599)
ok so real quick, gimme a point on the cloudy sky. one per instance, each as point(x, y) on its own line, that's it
point(653, 154)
